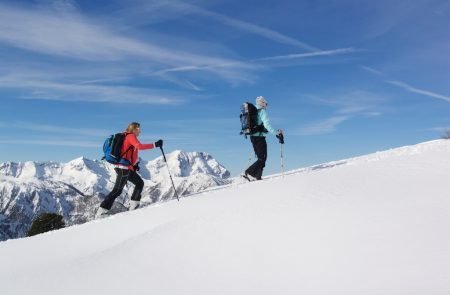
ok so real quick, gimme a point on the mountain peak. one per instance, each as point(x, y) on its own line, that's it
point(77, 187)
point(184, 164)
point(79, 160)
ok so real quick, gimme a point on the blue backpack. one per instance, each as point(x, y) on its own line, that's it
point(112, 147)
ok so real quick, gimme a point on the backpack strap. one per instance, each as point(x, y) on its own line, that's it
point(260, 129)
point(128, 149)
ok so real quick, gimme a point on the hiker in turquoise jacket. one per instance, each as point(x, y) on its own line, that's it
point(258, 139)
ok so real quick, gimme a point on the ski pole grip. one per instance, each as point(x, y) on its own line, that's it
point(280, 137)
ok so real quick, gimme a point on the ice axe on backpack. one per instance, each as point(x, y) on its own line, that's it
point(170, 175)
point(280, 137)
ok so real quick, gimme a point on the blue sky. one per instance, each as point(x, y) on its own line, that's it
point(342, 77)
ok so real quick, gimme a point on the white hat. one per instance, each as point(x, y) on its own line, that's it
point(260, 101)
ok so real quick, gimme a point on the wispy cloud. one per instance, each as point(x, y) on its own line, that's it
point(53, 129)
point(406, 86)
point(39, 31)
point(419, 91)
point(261, 31)
point(51, 142)
point(228, 71)
point(77, 40)
point(59, 135)
point(64, 6)
point(195, 68)
point(241, 25)
point(310, 54)
point(345, 106)
point(74, 36)
point(372, 71)
point(65, 33)
point(255, 63)
point(352, 102)
point(58, 91)
point(325, 126)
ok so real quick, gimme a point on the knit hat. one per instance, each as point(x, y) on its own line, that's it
point(260, 101)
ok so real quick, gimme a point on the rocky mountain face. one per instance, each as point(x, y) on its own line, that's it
point(75, 189)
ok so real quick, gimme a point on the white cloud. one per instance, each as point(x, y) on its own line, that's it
point(228, 71)
point(61, 35)
point(77, 41)
point(310, 54)
point(352, 102)
point(372, 71)
point(81, 41)
point(346, 106)
point(50, 142)
point(65, 6)
point(419, 91)
point(76, 37)
point(58, 91)
point(241, 25)
point(263, 32)
point(406, 86)
point(222, 69)
point(53, 129)
point(325, 126)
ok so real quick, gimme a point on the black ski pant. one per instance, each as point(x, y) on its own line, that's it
point(124, 175)
point(260, 148)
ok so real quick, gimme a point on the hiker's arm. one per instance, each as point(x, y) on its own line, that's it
point(138, 145)
point(266, 122)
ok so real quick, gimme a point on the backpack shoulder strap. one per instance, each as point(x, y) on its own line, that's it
point(130, 147)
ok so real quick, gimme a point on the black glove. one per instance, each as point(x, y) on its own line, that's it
point(280, 137)
point(159, 143)
point(136, 167)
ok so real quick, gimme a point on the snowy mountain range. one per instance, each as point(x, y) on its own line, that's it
point(75, 189)
point(372, 225)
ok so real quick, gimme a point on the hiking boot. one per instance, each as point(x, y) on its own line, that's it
point(101, 213)
point(249, 177)
point(133, 205)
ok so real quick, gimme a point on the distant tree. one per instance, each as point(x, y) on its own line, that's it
point(46, 222)
point(446, 134)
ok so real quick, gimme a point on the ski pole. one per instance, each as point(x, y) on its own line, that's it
point(282, 162)
point(170, 175)
point(250, 157)
point(280, 137)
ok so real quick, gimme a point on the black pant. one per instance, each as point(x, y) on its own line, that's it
point(124, 175)
point(260, 148)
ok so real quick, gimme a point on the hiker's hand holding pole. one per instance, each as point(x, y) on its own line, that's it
point(280, 136)
point(159, 143)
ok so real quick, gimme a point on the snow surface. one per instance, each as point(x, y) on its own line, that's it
point(377, 224)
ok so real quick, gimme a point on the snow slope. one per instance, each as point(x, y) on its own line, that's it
point(377, 224)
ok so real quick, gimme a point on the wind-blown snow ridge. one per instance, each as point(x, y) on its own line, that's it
point(438, 145)
point(377, 156)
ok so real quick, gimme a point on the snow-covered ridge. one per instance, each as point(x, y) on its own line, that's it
point(376, 224)
point(76, 188)
point(434, 146)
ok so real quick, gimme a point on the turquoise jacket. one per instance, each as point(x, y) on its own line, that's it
point(263, 118)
